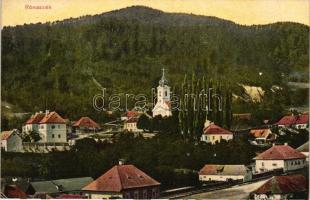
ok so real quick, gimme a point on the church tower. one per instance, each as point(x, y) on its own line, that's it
point(163, 105)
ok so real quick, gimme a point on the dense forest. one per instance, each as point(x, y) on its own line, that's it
point(58, 65)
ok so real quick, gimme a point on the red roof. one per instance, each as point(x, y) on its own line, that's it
point(214, 129)
point(284, 185)
point(280, 152)
point(87, 123)
point(12, 191)
point(7, 134)
point(223, 170)
point(52, 118)
point(121, 177)
point(35, 119)
point(293, 119)
point(260, 132)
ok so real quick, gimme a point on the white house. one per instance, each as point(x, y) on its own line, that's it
point(163, 105)
point(11, 141)
point(32, 124)
point(213, 133)
point(52, 128)
point(225, 173)
point(280, 157)
point(262, 136)
point(294, 121)
point(282, 187)
point(131, 125)
point(304, 149)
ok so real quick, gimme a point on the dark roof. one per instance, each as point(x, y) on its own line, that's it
point(121, 177)
point(223, 170)
point(284, 185)
point(214, 129)
point(69, 184)
point(280, 152)
point(293, 119)
point(304, 147)
point(86, 122)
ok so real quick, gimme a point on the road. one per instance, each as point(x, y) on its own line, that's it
point(235, 192)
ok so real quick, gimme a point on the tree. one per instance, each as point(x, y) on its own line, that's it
point(144, 122)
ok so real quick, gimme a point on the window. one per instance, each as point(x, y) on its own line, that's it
point(136, 195)
point(274, 164)
point(213, 137)
point(127, 195)
point(58, 135)
point(53, 126)
point(41, 126)
point(221, 137)
point(263, 164)
point(144, 194)
point(166, 93)
point(53, 135)
point(58, 126)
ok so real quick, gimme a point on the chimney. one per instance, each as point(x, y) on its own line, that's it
point(46, 112)
point(121, 161)
point(285, 143)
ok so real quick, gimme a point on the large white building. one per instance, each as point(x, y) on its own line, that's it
point(280, 157)
point(52, 128)
point(214, 134)
point(163, 105)
point(225, 173)
point(50, 125)
point(11, 141)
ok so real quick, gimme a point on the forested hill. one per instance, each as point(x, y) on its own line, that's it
point(54, 65)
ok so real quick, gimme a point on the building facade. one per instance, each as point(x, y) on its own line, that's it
point(280, 157)
point(52, 128)
point(130, 125)
point(11, 141)
point(163, 105)
point(224, 173)
point(123, 181)
point(282, 187)
point(214, 134)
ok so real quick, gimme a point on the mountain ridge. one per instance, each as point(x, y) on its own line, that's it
point(148, 15)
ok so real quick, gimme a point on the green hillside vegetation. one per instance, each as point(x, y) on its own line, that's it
point(54, 65)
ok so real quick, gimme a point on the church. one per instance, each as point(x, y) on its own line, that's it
point(163, 104)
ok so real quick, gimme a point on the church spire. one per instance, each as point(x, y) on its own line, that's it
point(163, 81)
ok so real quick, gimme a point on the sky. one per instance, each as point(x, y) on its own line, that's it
point(246, 12)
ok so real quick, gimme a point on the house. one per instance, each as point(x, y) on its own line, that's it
point(304, 149)
point(130, 114)
point(11, 141)
point(60, 186)
point(225, 173)
point(123, 181)
point(282, 187)
point(130, 125)
point(280, 157)
point(86, 125)
point(163, 104)
point(262, 136)
point(213, 133)
point(52, 128)
point(32, 124)
point(300, 121)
